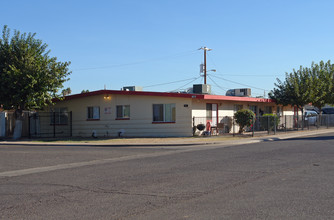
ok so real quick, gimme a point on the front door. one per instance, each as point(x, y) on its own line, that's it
point(211, 115)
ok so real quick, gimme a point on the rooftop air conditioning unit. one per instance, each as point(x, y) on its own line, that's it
point(246, 92)
point(202, 89)
point(132, 88)
point(243, 92)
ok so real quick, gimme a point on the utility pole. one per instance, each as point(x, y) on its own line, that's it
point(205, 49)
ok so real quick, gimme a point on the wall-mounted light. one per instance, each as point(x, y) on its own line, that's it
point(107, 97)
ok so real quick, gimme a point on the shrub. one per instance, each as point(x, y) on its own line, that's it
point(273, 121)
point(244, 117)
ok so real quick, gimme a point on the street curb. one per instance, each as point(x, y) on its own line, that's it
point(276, 137)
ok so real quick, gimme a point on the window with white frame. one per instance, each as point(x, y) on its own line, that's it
point(93, 112)
point(123, 111)
point(164, 112)
point(59, 116)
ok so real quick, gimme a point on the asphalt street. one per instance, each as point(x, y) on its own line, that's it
point(281, 179)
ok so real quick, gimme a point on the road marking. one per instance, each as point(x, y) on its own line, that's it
point(76, 165)
point(22, 172)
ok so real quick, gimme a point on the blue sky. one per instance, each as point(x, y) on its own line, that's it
point(151, 43)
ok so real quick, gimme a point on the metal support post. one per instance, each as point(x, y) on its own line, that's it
point(253, 120)
point(54, 124)
point(275, 124)
point(233, 126)
point(268, 124)
point(29, 125)
point(70, 123)
point(285, 124)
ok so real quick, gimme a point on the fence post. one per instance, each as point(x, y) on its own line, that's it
point(233, 126)
point(54, 124)
point(285, 124)
point(70, 123)
point(35, 120)
point(253, 125)
point(275, 124)
point(268, 123)
point(29, 131)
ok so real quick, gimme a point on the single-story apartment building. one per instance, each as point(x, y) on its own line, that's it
point(112, 113)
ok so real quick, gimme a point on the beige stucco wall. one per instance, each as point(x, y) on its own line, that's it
point(225, 108)
point(141, 116)
point(289, 111)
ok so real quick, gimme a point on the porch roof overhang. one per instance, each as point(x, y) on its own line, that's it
point(237, 98)
point(168, 94)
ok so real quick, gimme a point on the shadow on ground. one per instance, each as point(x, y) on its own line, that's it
point(321, 138)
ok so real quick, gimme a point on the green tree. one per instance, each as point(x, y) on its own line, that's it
point(299, 87)
point(244, 117)
point(30, 78)
point(84, 91)
point(321, 86)
point(295, 90)
point(307, 85)
point(281, 94)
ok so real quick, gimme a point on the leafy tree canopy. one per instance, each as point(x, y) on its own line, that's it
point(306, 85)
point(30, 78)
point(321, 86)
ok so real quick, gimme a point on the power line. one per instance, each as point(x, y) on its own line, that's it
point(232, 74)
point(161, 84)
point(139, 62)
point(214, 75)
point(237, 83)
point(186, 84)
point(217, 84)
point(258, 75)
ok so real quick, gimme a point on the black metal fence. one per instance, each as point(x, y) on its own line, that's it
point(59, 124)
point(260, 124)
point(38, 124)
point(50, 124)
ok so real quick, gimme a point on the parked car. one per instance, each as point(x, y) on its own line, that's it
point(327, 111)
point(327, 118)
point(311, 117)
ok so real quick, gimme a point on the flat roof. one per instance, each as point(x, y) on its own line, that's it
point(169, 94)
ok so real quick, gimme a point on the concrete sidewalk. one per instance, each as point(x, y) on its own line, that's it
point(185, 141)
